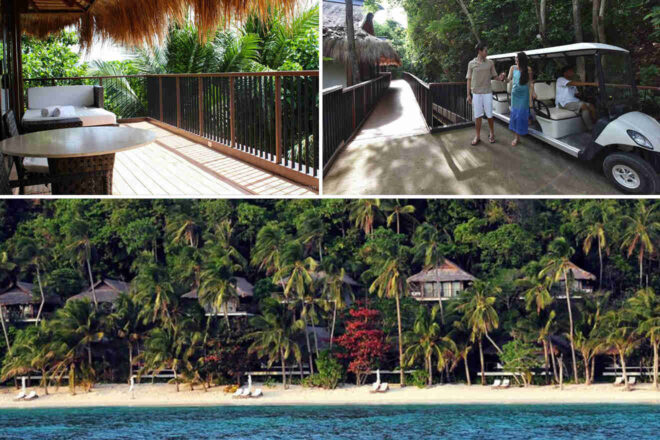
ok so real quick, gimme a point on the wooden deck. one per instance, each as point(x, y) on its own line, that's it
point(176, 166)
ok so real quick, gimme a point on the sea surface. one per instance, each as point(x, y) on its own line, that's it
point(418, 422)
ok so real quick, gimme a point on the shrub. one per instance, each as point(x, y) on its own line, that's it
point(419, 378)
point(330, 372)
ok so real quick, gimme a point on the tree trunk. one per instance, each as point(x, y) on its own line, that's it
point(435, 285)
point(655, 364)
point(545, 362)
point(91, 283)
point(430, 368)
point(601, 22)
point(481, 358)
point(577, 31)
point(72, 379)
point(402, 378)
point(350, 39)
point(473, 28)
point(467, 371)
point(176, 380)
point(130, 361)
point(283, 369)
point(4, 328)
point(554, 362)
point(316, 340)
point(641, 264)
point(44, 380)
point(89, 355)
point(334, 320)
point(570, 319)
point(600, 258)
point(492, 342)
point(561, 372)
point(623, 367)
point(593, 368)
point(540, 8)
point(309, 349)
point(227, 318)
point(587, 377)
point(595, 6)
point(43, 298)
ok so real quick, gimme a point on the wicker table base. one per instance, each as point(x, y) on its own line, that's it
point(90, 175)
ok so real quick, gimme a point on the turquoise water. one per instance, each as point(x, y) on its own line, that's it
point(502, 422)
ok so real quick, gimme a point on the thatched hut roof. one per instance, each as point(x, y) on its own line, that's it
point(320, 275)
point(447, 271)
point(244, 289)
point(581, 274)
point(21, 294)
point(106, 290)
point(135, 22)
point(370, 49)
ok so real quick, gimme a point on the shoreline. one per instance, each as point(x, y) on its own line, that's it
point(165, 395)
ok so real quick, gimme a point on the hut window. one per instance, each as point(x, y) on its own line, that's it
point(457, 286)
point(446, 290)
point(429, 290)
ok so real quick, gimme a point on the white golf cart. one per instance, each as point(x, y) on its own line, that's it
point(625, 140)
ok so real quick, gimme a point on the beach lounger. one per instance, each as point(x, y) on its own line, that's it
point(31, 396)
point(375, 386)
point(632, 380)
point(20, 396)
point(383, 388)
point(618, 381)
point(256, 393)
point(239, 392)
point(497, 383)
point(505, 383)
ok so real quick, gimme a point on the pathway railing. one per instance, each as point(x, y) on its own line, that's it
point(345, 110)
point(269, 119)
point(444, 105)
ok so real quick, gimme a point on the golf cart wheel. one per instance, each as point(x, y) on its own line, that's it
point(630, 173)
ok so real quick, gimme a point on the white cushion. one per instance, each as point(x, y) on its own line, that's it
point(544, 91)
point(36, 165)
point(78, 96)
point(90, 116)
point(557, 113)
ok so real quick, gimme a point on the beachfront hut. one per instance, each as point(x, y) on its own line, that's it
point(18, 303)
point(373, 53)
point(107, 291)
point(443, 282)
point(580, 281)
point(235, 306)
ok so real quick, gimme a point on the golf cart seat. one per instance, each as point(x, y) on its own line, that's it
point(555, 122)
point(500, 96)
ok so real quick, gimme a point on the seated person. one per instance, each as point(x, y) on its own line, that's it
point(566, 97)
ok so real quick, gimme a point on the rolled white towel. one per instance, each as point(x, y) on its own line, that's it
point(64, 111)
point(48, 111)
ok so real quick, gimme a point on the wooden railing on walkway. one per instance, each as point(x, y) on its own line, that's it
point(444, 105)
point(344, 112)
point(269, 119)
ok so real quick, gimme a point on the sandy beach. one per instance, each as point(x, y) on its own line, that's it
point(166, 395)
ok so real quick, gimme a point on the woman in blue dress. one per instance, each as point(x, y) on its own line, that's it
point(521, 99)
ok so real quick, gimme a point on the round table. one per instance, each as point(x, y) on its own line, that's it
point(81, 159)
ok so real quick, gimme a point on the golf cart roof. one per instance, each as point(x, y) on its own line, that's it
point(569, 50)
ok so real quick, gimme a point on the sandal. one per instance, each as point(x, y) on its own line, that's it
point(491, 138)
point(514, 143)
point(475, 141)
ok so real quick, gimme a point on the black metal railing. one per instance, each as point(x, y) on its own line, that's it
point(422, 92)
point(345, 110)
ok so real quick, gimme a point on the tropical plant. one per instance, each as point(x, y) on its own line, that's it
point(640, 233)
point(33, 254)
point(398, 211)
point(646, 307)
point(621, 334)
point(153, 288)
point(127, 323)
point(81, 248)
point(428, 250)
point(365, 213)
point(520, 358)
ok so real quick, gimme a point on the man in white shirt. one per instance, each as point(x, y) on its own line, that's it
point(566, 97)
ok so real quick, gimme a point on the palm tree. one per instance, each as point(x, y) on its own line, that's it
point(365, 213)
point(425, 341)
point(31, 352)
point(428, 241)
point(5, 266)
point(640, 232)
point(184, 229)
point(646, 306)
point(537, 292)
point(398, 210)
point(165, 349)
point(596, 231)
point(78, 233)
point(480, 316)
point(267, 251)
point(127, 323)
point(274, 336)
point(218, 287)
point(312, 231)
point(334, 293)
point(390, 282)
point(559, 267)
point(621, 333)
point(31, 253)
point(153, 288)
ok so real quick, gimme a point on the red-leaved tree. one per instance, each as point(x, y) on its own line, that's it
point(363, 342)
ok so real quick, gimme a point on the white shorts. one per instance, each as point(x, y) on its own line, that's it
point(482, 104)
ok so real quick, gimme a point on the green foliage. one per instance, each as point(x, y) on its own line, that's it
point(52, 58)
point(520, 358)
point(330, 372)
point(419, 378)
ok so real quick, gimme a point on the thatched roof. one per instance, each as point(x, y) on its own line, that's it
point(244, 289)
point(320, 275)
point(581, 274)
point(369, 49)
point(448, 271)
point(21, 294)
point(334, 13)
point(106, 290)
point(135, 22)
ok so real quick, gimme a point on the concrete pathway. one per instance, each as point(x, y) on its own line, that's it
point(396, 115)
point(446, 164)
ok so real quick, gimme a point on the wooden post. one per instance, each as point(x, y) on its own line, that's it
point(353, 98)
point(178, 102)
point(100, 82)
point(200, 83)
point(160, 96)
point(278, 120)
point(232, 113)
